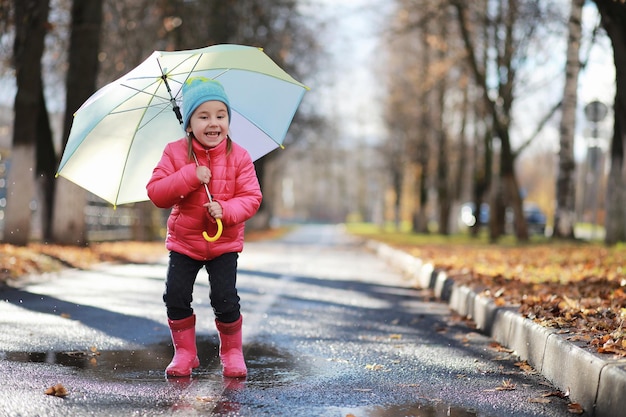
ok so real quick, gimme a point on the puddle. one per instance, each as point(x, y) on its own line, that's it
point(207, 392)
point(414, 410)
point(266, 366)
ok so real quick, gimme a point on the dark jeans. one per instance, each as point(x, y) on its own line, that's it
point(181, 277)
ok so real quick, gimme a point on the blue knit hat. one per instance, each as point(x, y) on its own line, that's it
point(196, 91)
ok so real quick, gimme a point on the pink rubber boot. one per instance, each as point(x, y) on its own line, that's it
point(231, 353)
point(185, 352)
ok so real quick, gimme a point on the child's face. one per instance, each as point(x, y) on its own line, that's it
point(209, 123)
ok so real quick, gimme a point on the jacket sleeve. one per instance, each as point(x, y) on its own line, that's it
point(169, 185)
point(247, 198)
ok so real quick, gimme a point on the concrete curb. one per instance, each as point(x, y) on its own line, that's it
point(595, 381)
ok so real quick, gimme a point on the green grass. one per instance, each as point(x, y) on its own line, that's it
point(405, 236)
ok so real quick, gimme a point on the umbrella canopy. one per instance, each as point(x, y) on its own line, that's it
point(119, 133)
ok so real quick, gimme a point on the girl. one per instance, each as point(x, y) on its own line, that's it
point(206, 156)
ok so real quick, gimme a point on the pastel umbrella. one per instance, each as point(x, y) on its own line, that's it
point(119, 133)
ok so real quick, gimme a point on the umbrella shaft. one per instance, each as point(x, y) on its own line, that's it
point(206, 187)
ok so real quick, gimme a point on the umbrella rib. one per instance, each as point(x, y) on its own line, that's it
point(184, 72)
point(156, 105)
point(144, 92)
point(189, 73)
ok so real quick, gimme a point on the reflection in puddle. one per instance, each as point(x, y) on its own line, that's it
point(415, 410)
point(138, 376)
point(267, 366)
point(123, 362)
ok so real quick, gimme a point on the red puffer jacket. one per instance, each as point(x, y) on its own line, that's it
point(233, 184)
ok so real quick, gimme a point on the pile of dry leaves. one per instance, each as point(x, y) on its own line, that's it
point(579, 289)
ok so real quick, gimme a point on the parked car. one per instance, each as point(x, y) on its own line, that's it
point(535, 217)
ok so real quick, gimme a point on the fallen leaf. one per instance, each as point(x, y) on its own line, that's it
point(575, 408)
point(499, 348)
point(554, 394)
point(507, 385)
point(57, 390)
point(525, 367)
point(374, 367)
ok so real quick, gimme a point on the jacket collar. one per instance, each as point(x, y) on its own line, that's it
point(198, 148)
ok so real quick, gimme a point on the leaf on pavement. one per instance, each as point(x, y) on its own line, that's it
point(507, 385)
point(57, 390)
point(554, 394)
point(575, 408)
point(525, 367)
point(499, 348)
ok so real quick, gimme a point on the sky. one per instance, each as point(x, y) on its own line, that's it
point(352, 92)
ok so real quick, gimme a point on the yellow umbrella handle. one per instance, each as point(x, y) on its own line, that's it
point(208, 238)
point(220, 227)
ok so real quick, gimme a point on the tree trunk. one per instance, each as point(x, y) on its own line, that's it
point(565, 213)
point(69, 220)
point(510, 188)
point(424, 133)
point(46, 167)
point(31, 18)
point(483, 170)
point(613, 16)
point(443, 164)
point(483, 176)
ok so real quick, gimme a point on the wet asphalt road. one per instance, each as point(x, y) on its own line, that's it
point(329, 330)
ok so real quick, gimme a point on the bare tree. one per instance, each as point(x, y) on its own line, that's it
point(565, 214)
point(69, 220)
point(513, 24)
point(442, 138)
point(31, 20)
point(409, 112)
point(613, 19)
point(428, 107)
